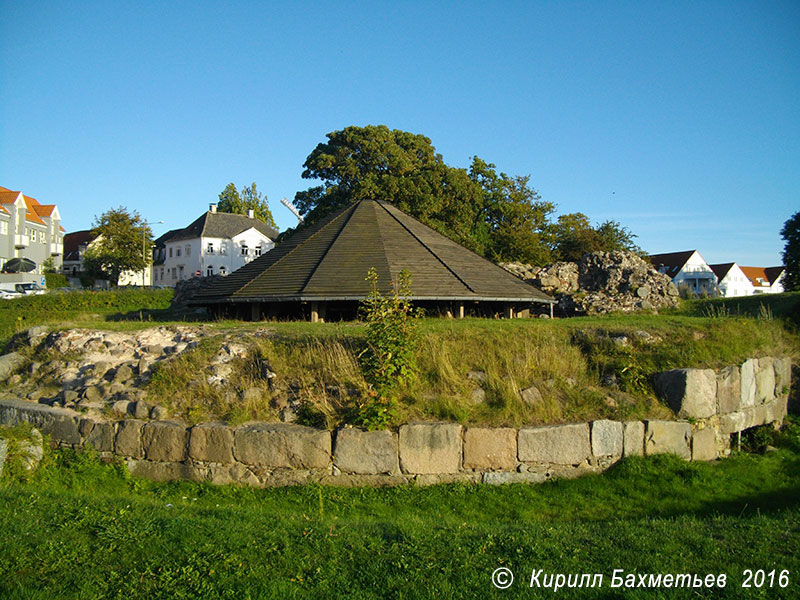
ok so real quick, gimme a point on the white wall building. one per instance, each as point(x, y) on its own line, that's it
point(732, 280)
point(687, 268)
point(214, 244)
point(75, 245)
point(767, 280)
point(29, 230)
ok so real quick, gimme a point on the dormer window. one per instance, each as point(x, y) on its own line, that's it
point(244, 249)
point(210, 249)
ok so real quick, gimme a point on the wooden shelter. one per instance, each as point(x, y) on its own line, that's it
point(319, 271)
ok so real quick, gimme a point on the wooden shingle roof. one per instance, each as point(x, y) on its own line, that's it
point(329, 260)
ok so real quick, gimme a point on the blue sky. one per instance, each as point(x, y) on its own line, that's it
point(681, 120)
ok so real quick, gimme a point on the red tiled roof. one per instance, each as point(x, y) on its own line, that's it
point(767, 275)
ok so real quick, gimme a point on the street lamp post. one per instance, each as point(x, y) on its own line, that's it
point(144, 256)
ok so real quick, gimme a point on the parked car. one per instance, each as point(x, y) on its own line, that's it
point(7, 295)
point(29, 289)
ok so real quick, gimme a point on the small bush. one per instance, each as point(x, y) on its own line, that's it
point(388, 360)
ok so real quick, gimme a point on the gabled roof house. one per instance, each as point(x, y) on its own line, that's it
point(731, 280)
point(765, 280)
point(687, 268)
point(29, 229)
point(320, 270)
point(215, 243)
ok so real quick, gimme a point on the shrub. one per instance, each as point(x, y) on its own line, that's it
point(388, 360)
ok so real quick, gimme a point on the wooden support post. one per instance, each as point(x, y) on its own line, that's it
point(551, 310)
point(314, 312)
point(509, 311)
point(255, 312)
point(460, 310)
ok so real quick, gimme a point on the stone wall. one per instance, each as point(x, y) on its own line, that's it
point(715, 403)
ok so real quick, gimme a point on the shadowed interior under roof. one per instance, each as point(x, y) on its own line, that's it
point(329, 261)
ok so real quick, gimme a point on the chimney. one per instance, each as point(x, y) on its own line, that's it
point(251, 214)
point(212, 208)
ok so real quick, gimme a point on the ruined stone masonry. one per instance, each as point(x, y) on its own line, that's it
point(713, 403)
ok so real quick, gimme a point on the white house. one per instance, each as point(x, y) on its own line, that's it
point(76, 244)
point(687, 268)
point(29, 230)
point(214, 244)
point(732, 280)
point(767, 280)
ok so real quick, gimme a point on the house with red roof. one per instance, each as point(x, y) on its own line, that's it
point(765, 280)
point(29, 230)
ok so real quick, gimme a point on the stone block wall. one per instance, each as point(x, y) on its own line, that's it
point(714, 404)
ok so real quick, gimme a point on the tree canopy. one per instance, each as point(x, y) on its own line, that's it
point(122, 242)
point(496, 215)
point(791, 252)
point(232, 200)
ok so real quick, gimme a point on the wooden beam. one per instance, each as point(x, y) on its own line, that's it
point(314, 312)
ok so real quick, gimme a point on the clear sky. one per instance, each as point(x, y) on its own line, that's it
point(681, 120)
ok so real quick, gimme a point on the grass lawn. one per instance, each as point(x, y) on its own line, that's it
point(79, 529)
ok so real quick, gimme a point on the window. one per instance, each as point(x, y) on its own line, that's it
point(188, 250)
point(223, 248)
point(177, 251)
point(174, 273)
point(41, 236)
point(222, 270)
point(209, 271)
point(170, 254)
point(244, 249)
point(180, 271)
point(257, 250)
point(3, 227)
point(210, 249)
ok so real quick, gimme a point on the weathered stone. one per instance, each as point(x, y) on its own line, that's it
point(231, 474)
point(479, 376)
point(94, 393)
point(531, 395)
point(159, 413)
point(128, 441)
point(490, 449)
point(211, 442)
point(559, 444)
point(748, 372)
point(765, 380)
point(164, 471)
point(505, 477)
point(143, 366)
point(691, 393)
point(120, 408)
point(633, 438)
point(140, 409)
point(729, 390)
point(101, 437)
point(283, 445)
point(65, 430)
point(366, 452)
point(85, 427)
point(477, 396)
point(3, 454)
point(9, 363)
point(123, 373)
point(607, 437)
point(732, 422)
point(704, 444)
point(426, 479)
point(783, 376)
point(366, 480)
point(668, 437)
point(253, 395)
point(164, 441)
point(430, 448)
point(70, 396)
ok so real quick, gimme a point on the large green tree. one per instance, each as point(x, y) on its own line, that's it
point(573, 236)
point(232, 200)
point(791, 252)
point(122, 242)
point(495, 215)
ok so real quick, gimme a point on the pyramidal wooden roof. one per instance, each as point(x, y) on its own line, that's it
point(330, 260)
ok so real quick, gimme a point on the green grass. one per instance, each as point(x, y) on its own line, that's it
point(80, 529)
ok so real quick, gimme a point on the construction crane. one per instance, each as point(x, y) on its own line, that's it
point(291, 207)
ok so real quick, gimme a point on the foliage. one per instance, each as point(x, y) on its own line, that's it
point(233, 201)
point(573, 236)
point(48, 265)
point(122, 242)
point(791, 253)
point(55, 280)
point(388, 360)
point(515, 214)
